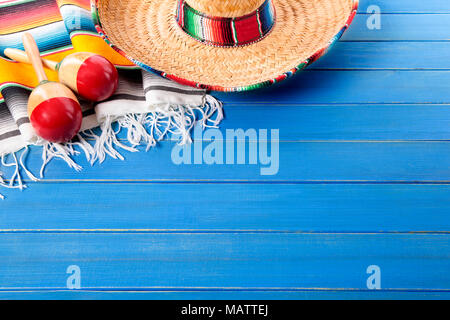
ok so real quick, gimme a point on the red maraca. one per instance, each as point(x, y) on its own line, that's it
point(90, 75)
point(54, 110)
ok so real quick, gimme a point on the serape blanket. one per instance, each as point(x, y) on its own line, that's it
point(148, 106)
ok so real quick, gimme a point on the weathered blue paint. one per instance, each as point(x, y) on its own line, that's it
point(364, 180)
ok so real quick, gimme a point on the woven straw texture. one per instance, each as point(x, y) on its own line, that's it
point(146, 32)
point(225, 8)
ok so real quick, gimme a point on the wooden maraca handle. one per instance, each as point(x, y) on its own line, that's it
point(34, 56)
point(21, 56)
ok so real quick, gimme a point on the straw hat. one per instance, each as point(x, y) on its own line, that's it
point(223, 45)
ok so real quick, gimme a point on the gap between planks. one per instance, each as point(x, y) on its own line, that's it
point(238, 182)
point(221, 289)
point(216, 232)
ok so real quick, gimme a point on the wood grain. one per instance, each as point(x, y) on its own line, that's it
point(299, 162)
point(47, 91)
point(21, 56)
point(341, 122)
point(311, 294)
point(356, 87)
point(238, 207)
point(68, 70)
point(401, 27)
point(364, 179)
point(406, 6)
point(33, 54)
point(186, 261)
point(386, 55)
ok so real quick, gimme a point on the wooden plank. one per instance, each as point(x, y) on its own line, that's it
point(299, 162)
point(224, 261)
point(339, 122)
point(407, 6)
point(341, 87)
point(221, 295)
point(400, 27)
point(132, 207)
point(386, 55)
point(367, 108)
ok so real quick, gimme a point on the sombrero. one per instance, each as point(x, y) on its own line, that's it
point(223, 45)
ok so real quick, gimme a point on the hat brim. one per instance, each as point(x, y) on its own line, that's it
point(146, 33)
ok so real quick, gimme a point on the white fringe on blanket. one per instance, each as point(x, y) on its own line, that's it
point(16, 182)
point(142, 129)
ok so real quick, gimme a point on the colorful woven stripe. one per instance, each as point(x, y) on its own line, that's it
point(41, 18)
point(226, 32)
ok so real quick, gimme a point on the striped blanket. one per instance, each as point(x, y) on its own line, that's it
point(142, 101)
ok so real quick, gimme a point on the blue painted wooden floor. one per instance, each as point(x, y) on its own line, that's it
point(364, 179)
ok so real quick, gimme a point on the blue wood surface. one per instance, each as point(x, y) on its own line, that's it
point(299, 162)
point(364, 179)
point(348, 208)
point(183, 261)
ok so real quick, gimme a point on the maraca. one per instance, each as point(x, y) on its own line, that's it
point(90, 75)
point(54, 110)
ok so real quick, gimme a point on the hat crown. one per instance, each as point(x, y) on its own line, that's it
point(225, 8)
point(224, 31)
